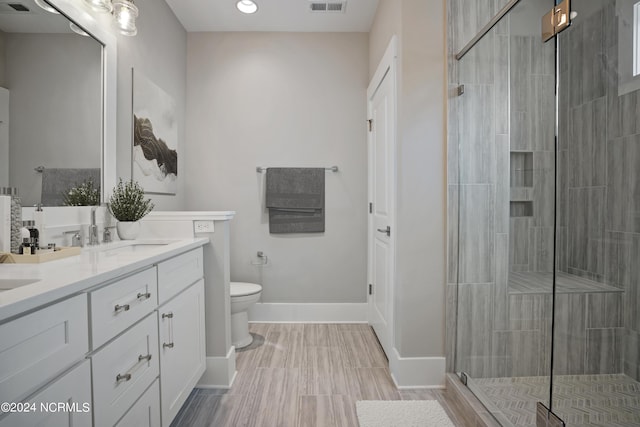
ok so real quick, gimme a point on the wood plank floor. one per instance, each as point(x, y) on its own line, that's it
point(306, 375)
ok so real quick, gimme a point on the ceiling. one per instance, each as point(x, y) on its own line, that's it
point(273, 15)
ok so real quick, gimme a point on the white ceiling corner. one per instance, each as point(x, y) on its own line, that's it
point(272, 15)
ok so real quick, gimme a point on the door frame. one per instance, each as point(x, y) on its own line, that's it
point(387, 67)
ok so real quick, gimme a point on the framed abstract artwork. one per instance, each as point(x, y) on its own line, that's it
point(154, 157)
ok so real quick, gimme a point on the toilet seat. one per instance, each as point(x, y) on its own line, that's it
point(243, 289)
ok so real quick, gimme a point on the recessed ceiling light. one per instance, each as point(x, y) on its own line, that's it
point(247, 6)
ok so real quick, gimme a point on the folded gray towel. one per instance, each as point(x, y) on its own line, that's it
point(296, 220)
point(56, 181)
point(295, 198)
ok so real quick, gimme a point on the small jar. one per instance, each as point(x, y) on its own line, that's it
point(26, 247)
point(33, 232)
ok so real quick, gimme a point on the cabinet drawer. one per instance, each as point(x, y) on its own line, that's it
point(146, 411)
point(119, 305)
point(178, 273)
point(123, 370)
point(72, 390)
point(37, 347)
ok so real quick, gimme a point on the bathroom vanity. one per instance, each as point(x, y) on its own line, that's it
point(113, 336)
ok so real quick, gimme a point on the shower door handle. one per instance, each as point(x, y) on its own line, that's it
point(385, 230)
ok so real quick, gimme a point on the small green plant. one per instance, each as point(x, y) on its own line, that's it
point(85, 194)
point(127, 203)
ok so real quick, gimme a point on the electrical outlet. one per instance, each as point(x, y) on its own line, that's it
point(203, 226)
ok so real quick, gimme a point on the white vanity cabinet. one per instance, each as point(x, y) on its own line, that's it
point(126, 352)
point(182, 348)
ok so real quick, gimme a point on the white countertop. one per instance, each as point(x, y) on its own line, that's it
point(95, 265)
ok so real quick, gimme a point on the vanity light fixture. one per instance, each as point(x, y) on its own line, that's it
point(125, 13)
point(247, 6)
point(46, 6)
point(100, 5)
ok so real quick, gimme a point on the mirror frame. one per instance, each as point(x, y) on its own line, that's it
point(76, 11)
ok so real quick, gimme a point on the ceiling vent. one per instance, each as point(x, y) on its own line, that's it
point(13, 7)
point(330, 7)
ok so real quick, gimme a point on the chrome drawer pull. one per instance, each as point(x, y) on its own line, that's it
point(147, 357)
point(167, 345)
point(167, 315)
point(146, 295)
point(119, 308)
point(125, 377)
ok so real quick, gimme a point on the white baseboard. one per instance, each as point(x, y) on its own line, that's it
point(308, 312)
point(417, 372)
point(220, 371)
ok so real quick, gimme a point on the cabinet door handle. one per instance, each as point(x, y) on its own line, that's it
point(119, 308)
point(167, 345)
point(125, 377)
point(147, 357)
point(144, 296)
point(167, 315)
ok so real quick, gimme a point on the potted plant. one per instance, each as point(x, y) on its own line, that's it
point(84, 194)
point(128, 205)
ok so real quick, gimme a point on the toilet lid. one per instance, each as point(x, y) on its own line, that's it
point(242, 289)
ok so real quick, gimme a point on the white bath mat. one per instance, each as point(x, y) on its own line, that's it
point(401, 413)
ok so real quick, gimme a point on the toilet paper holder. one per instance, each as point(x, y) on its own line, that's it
point(264, 259)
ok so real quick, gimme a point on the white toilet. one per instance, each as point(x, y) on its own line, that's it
point(243, 296)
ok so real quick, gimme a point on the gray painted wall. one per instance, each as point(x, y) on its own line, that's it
point(420, 243)
point(159, 51)
point(282, 99)
point(4, 129)
point(53, 79)
point(3, 60)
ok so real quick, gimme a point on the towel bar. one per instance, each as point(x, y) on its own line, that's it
point(261, 169)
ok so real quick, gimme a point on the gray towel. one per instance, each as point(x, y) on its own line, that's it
point(296, 220)
point(295, 198)
point(55, 182)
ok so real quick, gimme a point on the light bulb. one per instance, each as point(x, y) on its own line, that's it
point(103, 6)
point(126, 13)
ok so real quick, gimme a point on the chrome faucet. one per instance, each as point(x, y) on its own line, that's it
point(93, 229)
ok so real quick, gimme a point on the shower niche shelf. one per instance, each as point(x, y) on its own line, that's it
point(521, 169)
point(520, 208)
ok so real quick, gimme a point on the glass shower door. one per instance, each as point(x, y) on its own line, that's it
point(597, 326)
point(505, 192)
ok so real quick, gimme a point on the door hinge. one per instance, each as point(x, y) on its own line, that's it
point(370, 207)
point(370, 124)
point(557, 20)
point(460, 90)
point(370, 289)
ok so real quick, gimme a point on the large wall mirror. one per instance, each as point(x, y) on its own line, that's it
point(57, 102)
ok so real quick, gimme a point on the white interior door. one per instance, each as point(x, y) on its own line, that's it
point(382, 117)
point(4, 137)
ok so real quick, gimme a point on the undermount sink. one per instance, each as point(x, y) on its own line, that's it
point(8, 284)
point(133, 247)
point(138, 247)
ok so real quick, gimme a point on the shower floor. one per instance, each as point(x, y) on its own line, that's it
point(580, 400)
